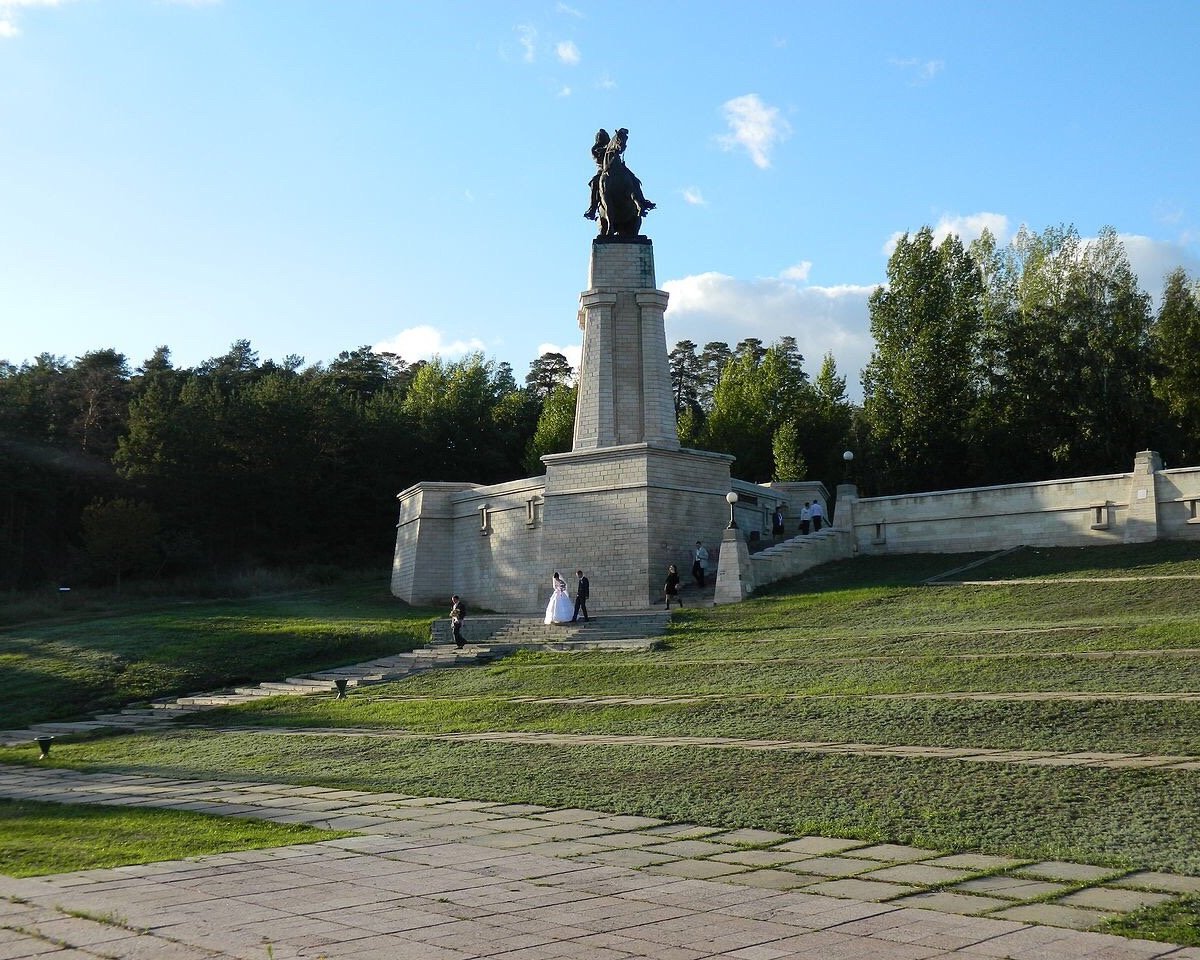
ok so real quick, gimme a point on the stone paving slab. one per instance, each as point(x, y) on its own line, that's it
point(945, 902)
point(894, 853)
point(1062, 870)
point(1076, 918)
point(857, 889)
point(818, 846)
point(1152, 880)
point(1015, 888)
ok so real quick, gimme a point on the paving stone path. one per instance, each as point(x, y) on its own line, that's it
point(447, 879)
point(1054, 758)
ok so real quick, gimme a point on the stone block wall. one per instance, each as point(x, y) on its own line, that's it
point(1147, 503)
point(422, 569)
point(482, 543)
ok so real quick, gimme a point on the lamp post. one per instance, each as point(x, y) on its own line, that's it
point(731, 498)
point(848, 457)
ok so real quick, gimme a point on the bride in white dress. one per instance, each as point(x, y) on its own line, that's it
point(560, 608)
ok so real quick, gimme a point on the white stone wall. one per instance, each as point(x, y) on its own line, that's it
point(1178, 495)
point(1144, 504)
point(497, 545)
point(423, 571)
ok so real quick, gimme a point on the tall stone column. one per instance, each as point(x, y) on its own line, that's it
point(624, 377)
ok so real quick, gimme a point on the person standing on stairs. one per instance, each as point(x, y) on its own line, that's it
point(458, 614)
point(582, 592)
point(671, 587)
point(817, 516)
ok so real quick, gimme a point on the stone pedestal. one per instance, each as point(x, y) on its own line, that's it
point(622, 505)
point(624, 513)
point(1141, 523)
point(624, 377)
point(735, 577)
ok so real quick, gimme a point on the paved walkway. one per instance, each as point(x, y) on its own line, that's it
point(442, 879)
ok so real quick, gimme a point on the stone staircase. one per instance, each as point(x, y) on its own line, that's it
point(158, 712)
point(490, 638)
point(791, 557)
point(504, 634)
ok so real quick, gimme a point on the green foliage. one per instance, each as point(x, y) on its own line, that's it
point(760, 390)
point(555, 428)
point(998, 365)
point(547, 373)
point(919, 386)
point(1176, 379)
point(785, 451)
point(121, 536)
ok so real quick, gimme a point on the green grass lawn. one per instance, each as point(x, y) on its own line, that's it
point(37, 839)
point(64, 670)
point(858, 651)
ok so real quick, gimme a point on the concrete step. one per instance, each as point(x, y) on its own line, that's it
point(302, 685)
point(214, 700)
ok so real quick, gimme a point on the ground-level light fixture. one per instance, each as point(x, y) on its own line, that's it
point(43, 743)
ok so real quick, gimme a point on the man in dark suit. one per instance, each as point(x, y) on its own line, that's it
point(581, 597)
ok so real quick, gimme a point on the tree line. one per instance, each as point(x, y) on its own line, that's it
point(992, 364)
point(1035, 360)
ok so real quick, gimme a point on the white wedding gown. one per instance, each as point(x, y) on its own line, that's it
point(561, 608)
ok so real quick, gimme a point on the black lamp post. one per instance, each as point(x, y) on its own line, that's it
point(848, 457)
point(731, 498)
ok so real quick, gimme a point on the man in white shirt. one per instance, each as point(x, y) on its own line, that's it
point(699, 563)
point(816, 515)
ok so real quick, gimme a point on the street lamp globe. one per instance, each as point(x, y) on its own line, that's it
point(731, 498)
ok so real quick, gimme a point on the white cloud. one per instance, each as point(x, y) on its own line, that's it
point(606, 83)
point(921, 71)
point(527, 38)
point(755, 126)
point(692, 196)
point(798, 271)
point(567, 52)
point(564, 91)
point(967, 228)
point(573, 353)
point(569, 11)
point(424, 342)
point(1152, 260)
point(9, 28)
point(713, 306)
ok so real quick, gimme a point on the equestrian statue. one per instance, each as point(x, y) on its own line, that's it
point(617, 198)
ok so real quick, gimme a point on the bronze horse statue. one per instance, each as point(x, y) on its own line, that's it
point(617, 198)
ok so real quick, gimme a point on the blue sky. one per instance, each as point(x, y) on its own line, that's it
point(315, 176)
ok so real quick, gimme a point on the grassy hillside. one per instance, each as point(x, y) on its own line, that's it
point(862, 652)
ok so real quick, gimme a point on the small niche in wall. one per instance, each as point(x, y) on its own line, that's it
point(1193, 509)
point(1100, 515)
point(880, 534)
point(533, 509)
point(485, 520)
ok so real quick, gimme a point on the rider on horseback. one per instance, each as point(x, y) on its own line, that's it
point(608, 154)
